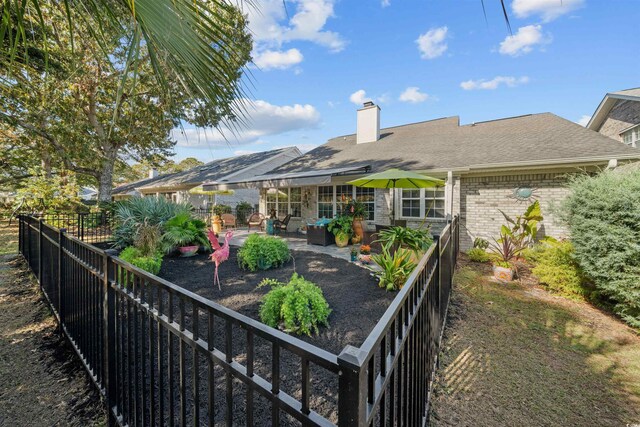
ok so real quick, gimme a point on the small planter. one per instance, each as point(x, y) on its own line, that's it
point(354, 256)
point(503, 274)
point(216, 224)
point(365, 259)
point(342, 239)
point(187, 251)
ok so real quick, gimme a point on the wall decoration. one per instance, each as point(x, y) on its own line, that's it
point(525, 194)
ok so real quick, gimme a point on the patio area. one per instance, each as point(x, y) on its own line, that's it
point(296, 242)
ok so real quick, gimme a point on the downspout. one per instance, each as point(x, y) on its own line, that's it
point(449, 185)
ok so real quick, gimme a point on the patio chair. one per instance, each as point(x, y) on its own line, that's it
point(228, 220)
point(279, 226)
point(256, 220)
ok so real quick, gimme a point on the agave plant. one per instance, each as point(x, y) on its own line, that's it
point(184, 230)
point(394, 269)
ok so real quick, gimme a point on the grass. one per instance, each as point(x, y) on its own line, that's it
point(515, 355)
point(8, 237)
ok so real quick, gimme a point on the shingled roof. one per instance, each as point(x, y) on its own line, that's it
point(608, 102)
point(215, 170)
point(127, 188)
point(442, 144)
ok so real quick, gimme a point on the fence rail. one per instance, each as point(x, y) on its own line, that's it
point(161, 355)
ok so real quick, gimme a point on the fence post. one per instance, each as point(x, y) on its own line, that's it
point(109, 337)
point(40, 252)
point(28, 241)
point(61, 276)
point(352, 388)
point(81, 226)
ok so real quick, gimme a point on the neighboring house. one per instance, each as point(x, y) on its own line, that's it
point(126, 191)
point(501, 164)
point(184, 186)
point(618, 117)
point(88, 193)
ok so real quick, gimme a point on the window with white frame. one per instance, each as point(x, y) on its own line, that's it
point(284, 201)
point(632, 136)
point(333, 198)
point(423, 202)
point(368, 197)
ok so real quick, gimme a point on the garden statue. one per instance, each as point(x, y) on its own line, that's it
point(220, 253)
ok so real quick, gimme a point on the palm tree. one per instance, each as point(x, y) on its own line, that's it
point(186, 37)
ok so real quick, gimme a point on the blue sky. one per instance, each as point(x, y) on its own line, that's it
point(423, 59)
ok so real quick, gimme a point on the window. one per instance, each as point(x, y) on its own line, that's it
point(295, 202)
point(418, 203)
point(631, 137)
point(332, 200)
point(172, 197)
point(325, 201)
point(368, 197)
point(284, 201)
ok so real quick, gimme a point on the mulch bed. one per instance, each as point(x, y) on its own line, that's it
point(356, 301)
point(352, 293)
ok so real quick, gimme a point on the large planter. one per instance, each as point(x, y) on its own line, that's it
point(269, 228)
point(187, 251)
point(503, 274)
point(342, 239)
point(358, 231)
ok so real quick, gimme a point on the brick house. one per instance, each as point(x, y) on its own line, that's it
point(500, 164)
point(618, 117)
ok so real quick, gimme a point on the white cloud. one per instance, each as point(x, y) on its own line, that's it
point(359, 97)
point(432, 43)
point(386, 3)
point(262, 119)
point(412, 94)
point(524, 40)
point(494, 83)
point(277, 59)
point(548, 10)
point(270, 28)
point(584, 120)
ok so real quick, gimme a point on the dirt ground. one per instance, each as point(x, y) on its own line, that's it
point(356, 301)
point(41, 381)
point(514, 354)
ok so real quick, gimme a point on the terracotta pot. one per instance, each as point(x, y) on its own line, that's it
point(358, 231)
point(216, 224)
point(187, 251)
point(503, 274)
point(342, 239)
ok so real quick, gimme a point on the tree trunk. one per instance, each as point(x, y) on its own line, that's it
point(105, 180)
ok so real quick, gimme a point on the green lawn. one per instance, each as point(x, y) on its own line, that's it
point(8, 237)
point(516, 355)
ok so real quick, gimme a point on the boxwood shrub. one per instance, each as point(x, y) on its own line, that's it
point(557, 269)
point(262, 253)
point(603, 214)
point(134, 256)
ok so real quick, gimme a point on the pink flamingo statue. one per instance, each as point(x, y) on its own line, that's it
point(220, 253)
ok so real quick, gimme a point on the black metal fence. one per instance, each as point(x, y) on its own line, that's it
point(161, 355)
point(90, 227)
point(242, 214)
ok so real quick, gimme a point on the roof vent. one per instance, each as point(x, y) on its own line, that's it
point(368, 126)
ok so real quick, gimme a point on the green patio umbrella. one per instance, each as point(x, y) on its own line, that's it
point(396, 178)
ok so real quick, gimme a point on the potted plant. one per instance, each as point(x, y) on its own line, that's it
point(185, 233)
point(515, 238)
point(356, 210)
point(216, 221)
point(365, 254)
point(341, 227)
point(354, 254)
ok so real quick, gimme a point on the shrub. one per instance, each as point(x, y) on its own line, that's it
point(221, 209)
point(394, 269)
point(134, 256)
point(262, 252)
point(603, 215)
point(478, 255)
point(298, 306)
point(184, 230)
point(414, 239)
point(131, 214)
point(480, 243)
point(556, 268)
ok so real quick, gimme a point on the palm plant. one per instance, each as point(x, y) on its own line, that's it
point(137, 212)
point(187, 38)
point(184, 230)
point(394, 268)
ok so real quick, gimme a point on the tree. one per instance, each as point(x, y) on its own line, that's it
point(79, 113)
